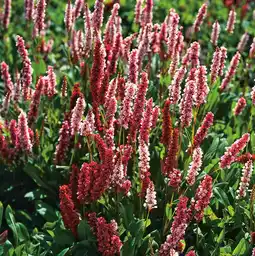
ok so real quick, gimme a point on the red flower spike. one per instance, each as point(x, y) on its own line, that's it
point(67, 209)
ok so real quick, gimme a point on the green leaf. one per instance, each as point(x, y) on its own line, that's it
point(23, 234)
point(169, 211)
point(62, 253)
point(128, 249)
point(46, 211)
point(33, 172)
point(231, 210)
point(127, 213)
point(212, 150)
point(1, 213)
point(209, 212)
point(221, 236)
point(84, 231)
point(137, 229)
point(39, 67)
point(63, 237)
point(221, 196)
point(11, 222)
point(240, 248)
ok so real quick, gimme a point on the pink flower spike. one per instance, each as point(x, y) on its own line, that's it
point(229, 156)
point(231, 21)
point(17, 88)
point(175, 87)
point(68, 16)
point(202, 88)
point(6, 102)
point(88, 31)
point(126, 108)
point(215, 33)
point(215, 67)
point(26, 73)
point(253, 95)
point(126, 44)
point(240, 105)
point(194, 54)
point(245, 180)
point(110, 111)
point(29, 9)
point(155, 41)
point(110, 29)
point(186, 104)
point(178, 229)
point(200, 17)
point(231, 71)
point(34, 105)
point(191, 75)
point(77, 114)
point(146, 122)
point(191, 253)
point(110, 93)
point(63, 143)
point(133, 67)
point(23, 138)
point(147, 13)
point(202, 197)
point(88, 125)
point(98, 15)
point(222, 60)
point(143, 149)
point(203, 130)
point(194, 166)
point(144, 43)
point(138, 11)
point(155, 115)
point(96, 78)
point(173, 34)
point(8, 84)
point(139, 104)
point(252, 49)
point(39, 17)
point(51, 82)
point(7, 13)
point(13, 131)
point(77, 8)
point(171, 160)
point(115, 54)
point(243, 42)
point(150, 197)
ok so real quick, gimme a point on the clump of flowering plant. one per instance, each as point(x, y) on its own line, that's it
point(131, 126)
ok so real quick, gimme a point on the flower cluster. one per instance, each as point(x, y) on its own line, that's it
point(106, 234)
point(63, 142)
point(194, 166)
point(215, 33)
point(67, 209)
point(178, 228)
point(200, 17)
point(202, 198)
point(245, 180)
point(23, 141)
point(231, 21)
point(240, 105)
point(231, 71)
point(26, 73)
point(231, 152)
point(39, 17)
